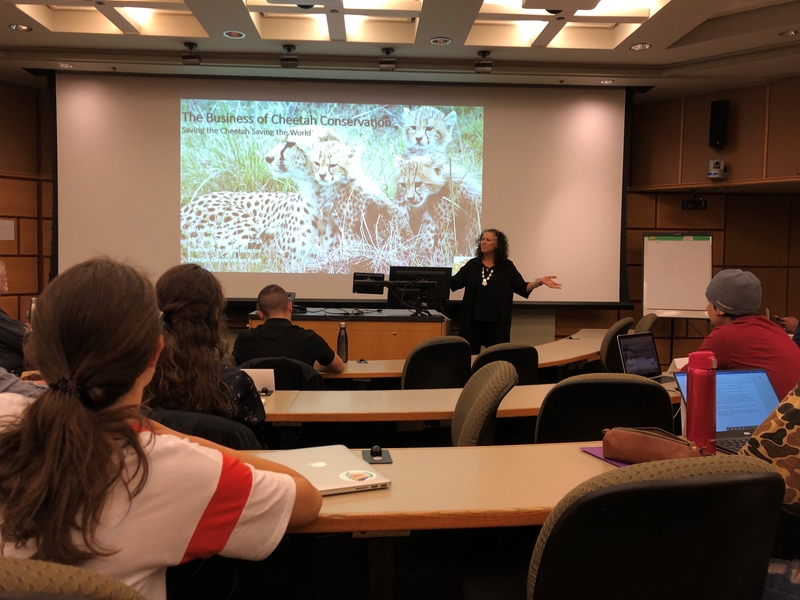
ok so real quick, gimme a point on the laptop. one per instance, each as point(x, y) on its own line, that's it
point(640, 357)
point(331, 469)
point(744, 400)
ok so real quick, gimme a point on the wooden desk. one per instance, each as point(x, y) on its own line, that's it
point(373, 369)
point(458, 488)
point(397, 405)
point(279, 402)
point(582, 345)
point(389, 334)
point(354, 406)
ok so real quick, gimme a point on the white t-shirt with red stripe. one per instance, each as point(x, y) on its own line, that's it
point(196, 503)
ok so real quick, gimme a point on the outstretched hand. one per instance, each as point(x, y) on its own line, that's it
point(548, 281)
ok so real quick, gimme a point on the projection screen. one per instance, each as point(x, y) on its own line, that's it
point(304, 183)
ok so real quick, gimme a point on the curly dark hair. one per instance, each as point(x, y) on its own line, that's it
point(501, 253)
point(188, 373)
point(61, 459)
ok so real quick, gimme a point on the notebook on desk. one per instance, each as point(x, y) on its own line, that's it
point(331, 469)
point(640, 357)
point(744, 400)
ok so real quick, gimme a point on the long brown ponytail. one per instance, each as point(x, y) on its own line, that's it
point(95, 331)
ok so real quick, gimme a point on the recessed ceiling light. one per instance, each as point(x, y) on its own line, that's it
point(789, 33)
point(640, 47)
point(606, 81)
point(233, 34)
point(440, 41)
point(64, 65)
point(20, 27)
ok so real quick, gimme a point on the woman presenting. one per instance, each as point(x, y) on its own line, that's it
point(490, 281)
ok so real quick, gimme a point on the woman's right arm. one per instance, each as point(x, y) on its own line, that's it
point(459, 280)
point(308, 500)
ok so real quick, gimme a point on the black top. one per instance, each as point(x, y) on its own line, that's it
point(499, 291)
point(11, 334)
point(279, 337)
point(249, 407)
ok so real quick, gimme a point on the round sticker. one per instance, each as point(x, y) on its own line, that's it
point(357, 475)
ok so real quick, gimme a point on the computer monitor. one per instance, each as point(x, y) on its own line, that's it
point(419, 288)
point(368, 283)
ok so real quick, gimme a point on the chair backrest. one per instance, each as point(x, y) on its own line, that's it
point(609, 350)
point(694, 528)
point(290, 374)
point(41, 580)
point(579, 408)
point(438, 362)
point(209, 427)
point(476, 409)
point(524, 357)
point(646, 323)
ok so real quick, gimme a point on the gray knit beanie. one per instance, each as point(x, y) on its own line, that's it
point(735, 291)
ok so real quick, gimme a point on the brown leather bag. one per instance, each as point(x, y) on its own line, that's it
point(644, 444)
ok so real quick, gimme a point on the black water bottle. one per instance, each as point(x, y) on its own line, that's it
point(341, 342)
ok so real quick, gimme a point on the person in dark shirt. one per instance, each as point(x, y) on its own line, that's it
point(277, 336)
point(190, 375)
point(11, 334)
point(490, 281)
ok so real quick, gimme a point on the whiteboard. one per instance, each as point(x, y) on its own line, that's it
point(677, 269)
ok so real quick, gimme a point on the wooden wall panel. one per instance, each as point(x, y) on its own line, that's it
point(18, 124)
point(793, 296)
point(635, 246)
point(670, 215)
point(636, 282)
point(794, 232)
point(640, 210)
point(783, 146)
point(47, 199)
point(744, 154)
point(757, 231)
point(10, 304)
point(655, 163)
point(17, 197)
point(47, 237)
point(28, 236)
point(10, 246)
point(774, 289)
point(23, 275)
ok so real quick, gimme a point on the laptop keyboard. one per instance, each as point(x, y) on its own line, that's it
point(731, 445)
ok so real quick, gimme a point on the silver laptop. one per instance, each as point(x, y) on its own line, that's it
point(744, 400)
point(331, 469)
point(640, 357)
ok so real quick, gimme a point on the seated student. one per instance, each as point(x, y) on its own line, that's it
point(86, 480)
point(190, 375)
point(742, 339)
point(11, 383)
point(277, 336)
point(11, 333)
point(790, 325)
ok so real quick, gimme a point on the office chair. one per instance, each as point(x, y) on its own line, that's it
point(610, 357)
point(524, 357)
point(476, 409)
point(290, 374)
point(40, 580)
point(695, 529)
point(438, 362)
point(219, 430)
point(579, 408)
point(646, 323)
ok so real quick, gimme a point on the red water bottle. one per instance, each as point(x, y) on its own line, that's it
point(701, 401)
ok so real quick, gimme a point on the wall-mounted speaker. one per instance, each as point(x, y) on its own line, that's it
point(718, 130)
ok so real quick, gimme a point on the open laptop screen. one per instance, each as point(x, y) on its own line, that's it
point(639, 355)
point(744, 398)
